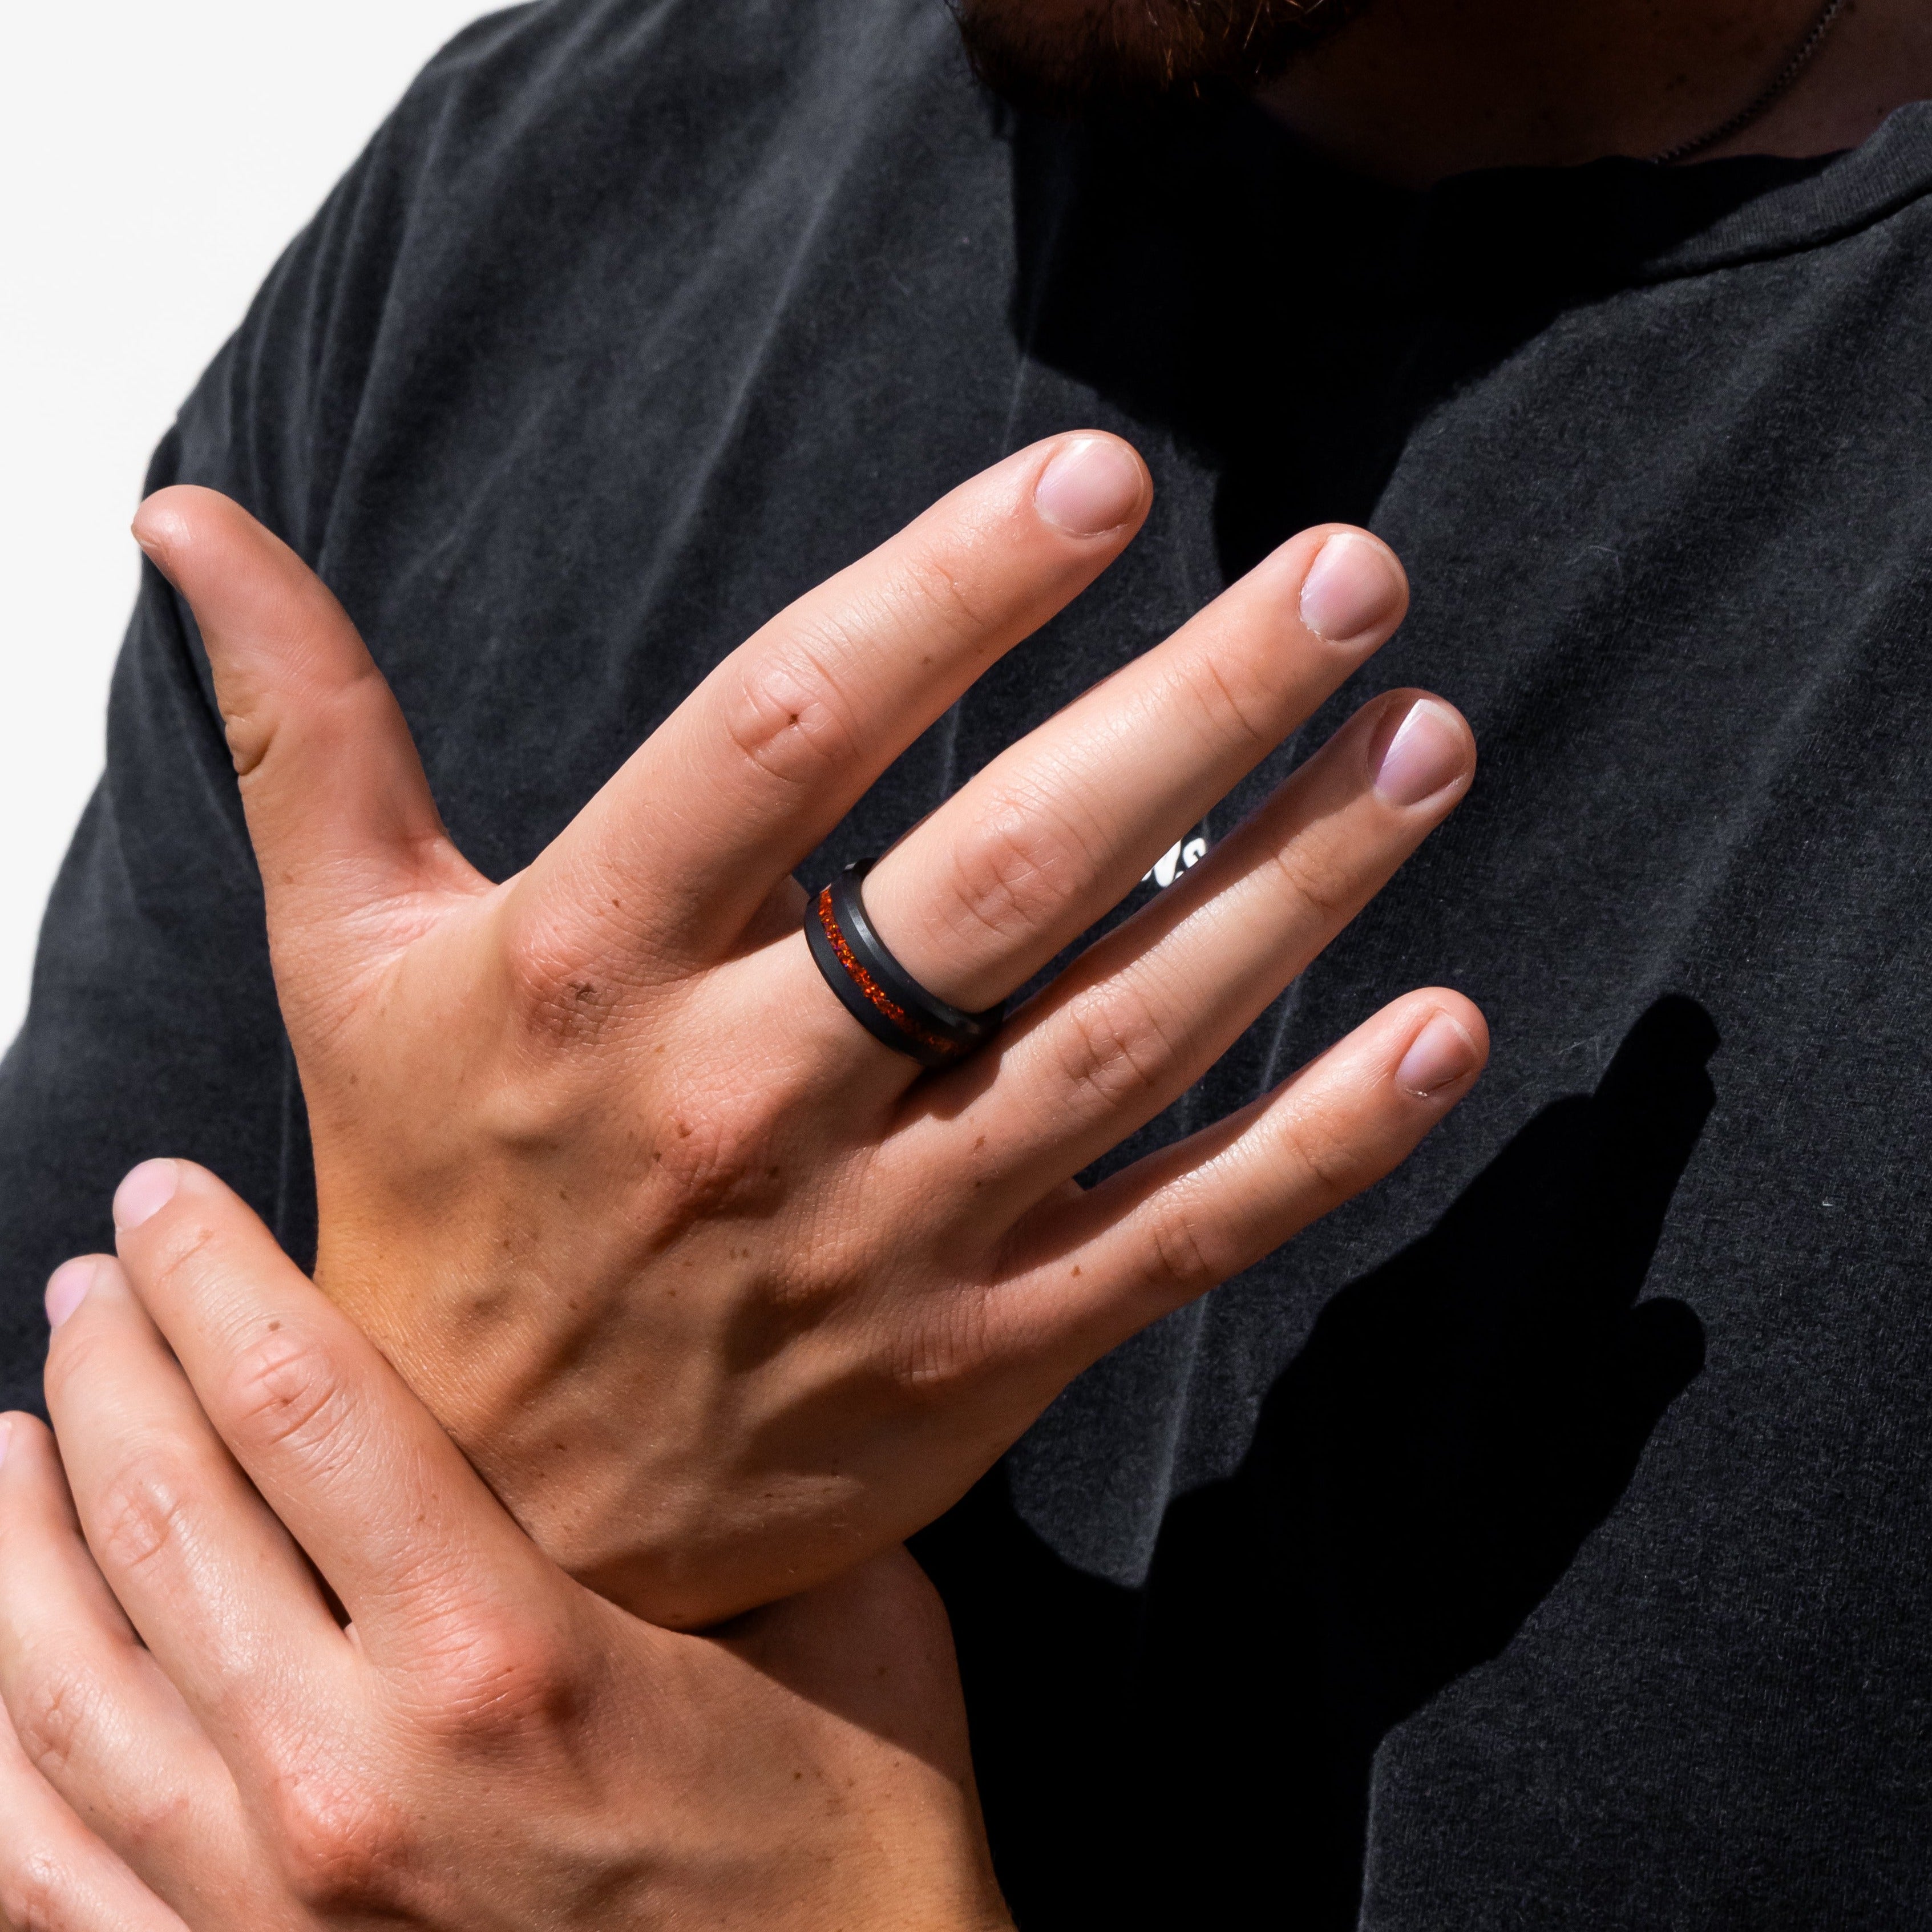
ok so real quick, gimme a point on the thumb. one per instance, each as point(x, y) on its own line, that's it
point(339, 811)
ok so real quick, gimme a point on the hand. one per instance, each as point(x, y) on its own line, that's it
point(487, 1744)
point(721, 1294)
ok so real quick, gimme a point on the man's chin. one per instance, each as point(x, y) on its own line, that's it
point(1065, 55)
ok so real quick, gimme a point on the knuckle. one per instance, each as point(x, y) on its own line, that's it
point(147, 1820)
point(141, 1510)
point(1333, 1167)
point(1237, 710)
point(562, 982)
point(181, 1262)
point(929, 1360)
point(37, 1892)
point(342, 1846)
point(946, 597)
point(284, 1392)
point(1190, 1253)
point(709, 1150)
point(1014, 870)
point(52, 1710)
point(783, 715)
point(1116, 1048)
point(1316, 882)
point(491, 1678)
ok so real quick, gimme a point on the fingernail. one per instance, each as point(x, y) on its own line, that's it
point(67, 1288)
point(1352, 588)
point(1427, 752)
point(1092, 485)
point(1439, 1055)
point(145, 1192)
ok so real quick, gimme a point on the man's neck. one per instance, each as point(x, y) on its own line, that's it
point(1415, 90)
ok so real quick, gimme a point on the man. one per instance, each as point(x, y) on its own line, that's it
point(1426, 1574)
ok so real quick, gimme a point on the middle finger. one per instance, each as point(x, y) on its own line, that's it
point(1059, 827)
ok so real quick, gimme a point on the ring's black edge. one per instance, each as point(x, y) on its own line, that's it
point(934, 1033)
point(849, 902)
point(832, 968)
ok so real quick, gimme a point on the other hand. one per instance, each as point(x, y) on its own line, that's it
point(197, 1736)
point(721, 1294)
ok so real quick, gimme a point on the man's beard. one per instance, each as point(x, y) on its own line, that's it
point(1063, 55)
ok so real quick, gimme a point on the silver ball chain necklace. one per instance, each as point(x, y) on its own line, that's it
point(1762, 104)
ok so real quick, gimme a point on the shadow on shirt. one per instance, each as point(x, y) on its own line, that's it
point(1296, 325)
point(1199, 1751)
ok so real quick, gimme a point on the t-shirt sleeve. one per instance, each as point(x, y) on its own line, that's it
point(152, 1027)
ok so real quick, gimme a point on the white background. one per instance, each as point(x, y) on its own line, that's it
point(155, 155)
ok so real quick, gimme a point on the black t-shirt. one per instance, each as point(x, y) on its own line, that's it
point(1541, 1541)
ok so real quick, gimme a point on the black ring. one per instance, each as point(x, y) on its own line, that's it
point(877, 991)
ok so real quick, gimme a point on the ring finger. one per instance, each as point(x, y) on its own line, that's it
point(1147, 1010)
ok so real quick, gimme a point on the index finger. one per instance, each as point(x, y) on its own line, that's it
point(355, 1467)
point(753, 770)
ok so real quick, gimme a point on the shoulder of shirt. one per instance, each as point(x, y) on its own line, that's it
point(738, 58)
point(536, 133)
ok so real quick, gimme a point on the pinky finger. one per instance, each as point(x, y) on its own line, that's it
point(1100, 1266)
point(55, 1876)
